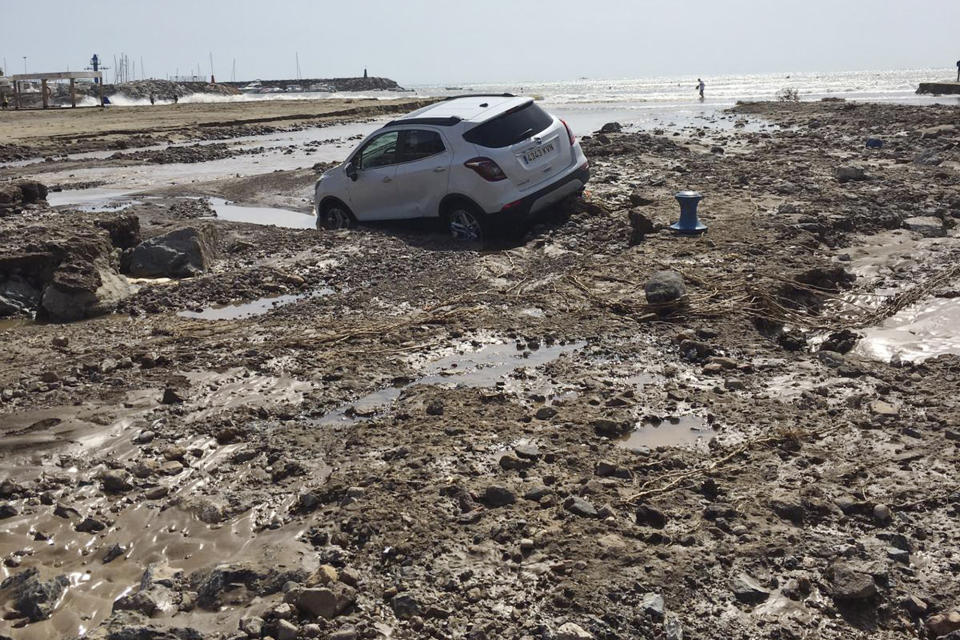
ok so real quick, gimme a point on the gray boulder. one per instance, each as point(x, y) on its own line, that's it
point(180, 253)
point(96, 293)
point(665, 287)
point(850, 173)
point(611, 127)
point(36, 599)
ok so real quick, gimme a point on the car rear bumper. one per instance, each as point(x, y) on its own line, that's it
point(568, 185)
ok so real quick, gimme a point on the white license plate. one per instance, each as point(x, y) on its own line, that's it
point(538, 152)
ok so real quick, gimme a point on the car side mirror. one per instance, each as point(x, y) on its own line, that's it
point(352, 172)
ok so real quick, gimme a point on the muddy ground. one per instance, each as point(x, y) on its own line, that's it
point(377, 433)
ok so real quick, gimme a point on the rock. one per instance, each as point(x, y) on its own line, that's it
point(898, 555)
point(695, 350)
point(664, 287)
point(83, 291)
point(914, 605)
point(653, 605)
point(651, 517)
point(842, 341)
point(90, 525)
point(285, 630)
point(850, 173)
point(527, 451)
point(638, 199)
point(882, 513)
point(113, 553)
point(640, 226)
point(326, 602)
point(116, 481)
point(513, 463)
point(606, 469)
point(927, 226)
point(36, 599)
point(883, 409)
point(7, 510)
point(849, 583)
point(611, 428)
point(171, 396)
point(788, 509)
point(572, 631)
point(497, 496)
point(580, 507)
point(611, 127)
point(180, 253)
point(405, 605)
point(944, 623)
point(747, 590)
point(252, 626)
point(347, 633)
point(545, 413)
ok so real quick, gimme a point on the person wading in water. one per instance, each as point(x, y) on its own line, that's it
point(700, 87)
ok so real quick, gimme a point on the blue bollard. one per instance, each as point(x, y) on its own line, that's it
point(689, 223)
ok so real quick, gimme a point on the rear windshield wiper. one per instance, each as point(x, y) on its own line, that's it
point(523, 136)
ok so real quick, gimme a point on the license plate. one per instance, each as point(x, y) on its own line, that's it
point(538, 152)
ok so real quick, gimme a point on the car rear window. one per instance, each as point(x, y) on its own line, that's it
point(511, 127)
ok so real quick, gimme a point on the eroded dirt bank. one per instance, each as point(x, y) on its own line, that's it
point(399, 438)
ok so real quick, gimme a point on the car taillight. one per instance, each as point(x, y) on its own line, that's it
point(573, 138)
point(487, 168)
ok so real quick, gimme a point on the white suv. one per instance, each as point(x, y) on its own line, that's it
point(472, 160)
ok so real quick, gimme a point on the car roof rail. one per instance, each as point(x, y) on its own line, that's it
point(480, 95)
point(448, 121)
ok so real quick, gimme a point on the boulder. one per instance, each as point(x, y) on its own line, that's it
point(496, 496)
point(405, 605)
point(36, 599)
point(651, 516)
point(664, 287)
point(944, 623)
point(83, 290)
point(580, 507)
point(611, 127)
point(178, 254)
point(747, 590)
point(640, 226)
point(325, 602)
point(848, 583)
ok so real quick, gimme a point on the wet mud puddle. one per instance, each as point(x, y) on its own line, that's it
point(484, 367)
point(262, 215)
point(253, 308)
point(925, 330)
point(689, 431)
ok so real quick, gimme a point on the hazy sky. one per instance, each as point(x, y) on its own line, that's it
point(455, 41)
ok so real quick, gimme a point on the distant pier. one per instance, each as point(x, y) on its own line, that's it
point(940, 88)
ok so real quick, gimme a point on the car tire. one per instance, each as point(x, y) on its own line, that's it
point(335, 216)
point(467, 224)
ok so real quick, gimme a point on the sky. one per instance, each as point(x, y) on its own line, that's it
point(422, 42)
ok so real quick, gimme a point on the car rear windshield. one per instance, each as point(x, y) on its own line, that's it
point(511, 127)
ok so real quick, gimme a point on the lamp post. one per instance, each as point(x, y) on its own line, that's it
point(24, 65)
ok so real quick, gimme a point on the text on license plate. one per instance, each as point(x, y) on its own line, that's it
point(538, 152)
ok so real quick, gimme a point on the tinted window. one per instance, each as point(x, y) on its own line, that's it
point(512, 127)
point(380, 151)
point(418, 144)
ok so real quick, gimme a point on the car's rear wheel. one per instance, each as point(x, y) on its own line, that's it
point(467, 224)
point(335, 216)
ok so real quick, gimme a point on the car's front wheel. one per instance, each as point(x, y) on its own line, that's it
point(467, 224)
point(335, 216)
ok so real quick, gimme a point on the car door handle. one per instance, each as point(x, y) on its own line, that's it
point(439, 169)
point(387, 179)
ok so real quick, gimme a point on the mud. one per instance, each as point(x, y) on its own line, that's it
point(378, 433)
